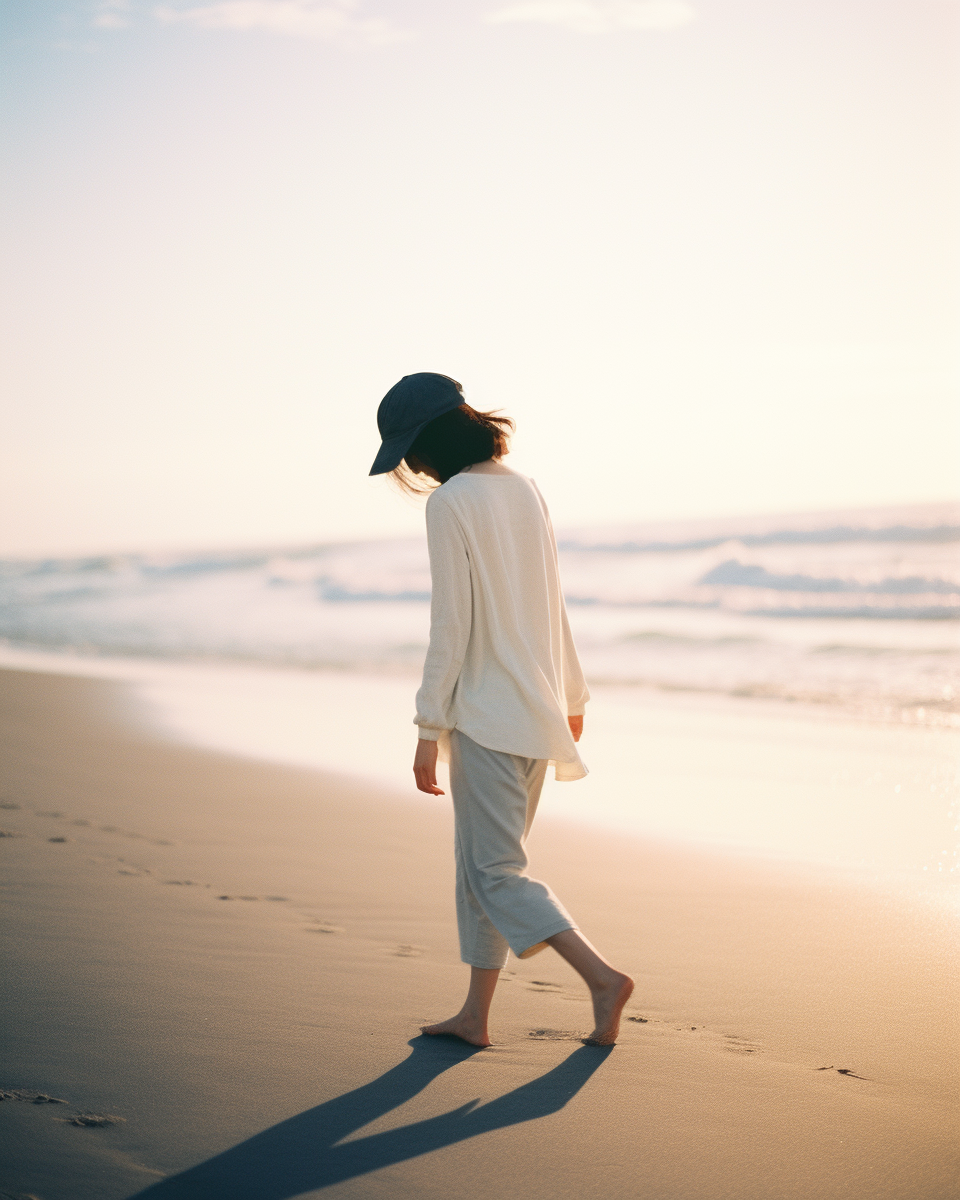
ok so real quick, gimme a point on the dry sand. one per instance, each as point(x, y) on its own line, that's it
point(220, 966)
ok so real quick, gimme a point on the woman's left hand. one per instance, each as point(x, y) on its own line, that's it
point(425, 767)
point(576, 727)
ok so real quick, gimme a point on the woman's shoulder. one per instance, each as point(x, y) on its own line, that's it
point(487, 493)
point(481, 477)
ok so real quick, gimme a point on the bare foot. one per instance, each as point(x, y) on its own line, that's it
point(608, 1002)
point(465, 1028)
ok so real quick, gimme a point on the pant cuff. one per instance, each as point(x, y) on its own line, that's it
point(541, 942)
point(485, 966)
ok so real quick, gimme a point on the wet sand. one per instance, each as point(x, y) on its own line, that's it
point(216, 969)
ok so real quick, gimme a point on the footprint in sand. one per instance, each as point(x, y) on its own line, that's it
point(59, 839)
point(731, 1042)
point(26, 1096)
point(740, 1045)
point(9, 833)
point(661, 1025)
point(408, 951)
point(848, 1071)
point(125, 862)
point(90, 1120)
point(323, 927)
point(56, 816)
point(129, 833)
point(95, 1120)
point(556, 1035)
point(543, 985)
point(10, 805)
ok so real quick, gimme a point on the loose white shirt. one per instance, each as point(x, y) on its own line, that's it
point(501, 666)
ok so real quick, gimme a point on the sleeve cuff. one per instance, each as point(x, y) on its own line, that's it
point(428, 735)
point(577, 710)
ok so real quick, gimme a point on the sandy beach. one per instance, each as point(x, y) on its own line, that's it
point(216, 969)
point(375, 370)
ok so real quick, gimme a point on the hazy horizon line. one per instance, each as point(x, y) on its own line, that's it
point(938, 512)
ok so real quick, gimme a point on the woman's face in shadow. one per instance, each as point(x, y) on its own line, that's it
point(420, 468)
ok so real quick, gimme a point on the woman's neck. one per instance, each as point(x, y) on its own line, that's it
point(491, 467)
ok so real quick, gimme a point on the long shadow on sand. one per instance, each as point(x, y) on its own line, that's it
point(301, 1154)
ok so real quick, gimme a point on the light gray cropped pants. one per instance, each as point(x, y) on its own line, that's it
point(495, 798)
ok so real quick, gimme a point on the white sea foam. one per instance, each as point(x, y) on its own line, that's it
point(855, 612)
point(857, 609)
point(795, 782)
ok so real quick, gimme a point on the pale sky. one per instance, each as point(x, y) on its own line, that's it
point(705, 253)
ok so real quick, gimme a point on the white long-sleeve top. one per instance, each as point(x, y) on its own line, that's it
point(501, 667)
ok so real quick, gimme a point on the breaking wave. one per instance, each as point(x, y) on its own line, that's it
point(859, 610)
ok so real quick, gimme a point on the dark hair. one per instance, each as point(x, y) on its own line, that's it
point(450, 442)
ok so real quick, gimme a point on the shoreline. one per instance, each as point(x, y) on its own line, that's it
point(789, 1034)
point(762, 778)
point(97, 663)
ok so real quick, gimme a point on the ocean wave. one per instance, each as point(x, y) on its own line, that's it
point(873, 612)
point(336, 593)
point(934, 535)
point(734, 573)
point(853, 612)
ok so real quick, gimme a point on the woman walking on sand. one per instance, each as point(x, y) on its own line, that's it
point(502, 692)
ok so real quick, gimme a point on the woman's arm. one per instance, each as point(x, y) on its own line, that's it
point(574, 685)
point(451, 614)
point(576, 692)
point(425, 768)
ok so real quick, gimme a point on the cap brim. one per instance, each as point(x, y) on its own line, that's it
point(392, 450)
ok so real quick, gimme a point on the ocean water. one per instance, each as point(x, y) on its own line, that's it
point(788, 687)
point(857, 612)
point(786, 781)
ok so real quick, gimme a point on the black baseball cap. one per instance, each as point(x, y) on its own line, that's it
point(410, 405)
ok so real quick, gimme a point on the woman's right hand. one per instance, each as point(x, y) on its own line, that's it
point(425, 767)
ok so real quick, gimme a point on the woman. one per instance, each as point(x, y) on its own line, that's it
point(502, 692)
